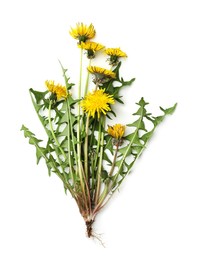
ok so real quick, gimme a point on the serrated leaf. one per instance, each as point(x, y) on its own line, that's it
point(136, 139)
point(104, 174)
point(142, 102)
point(170, 110)
point(106, 158)
point(40, 151)
point(39, 96)
point(141, 112)
point(125, 150)
point(158, 120)
point(68, 85)
point(109, 144)
point(136, 149)
point(139, 124)
point(127, 83)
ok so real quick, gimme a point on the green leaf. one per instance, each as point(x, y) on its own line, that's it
point(136, 139)
point(68, 85)
point(40, 151)
point(109, 144)
point(39, 96)
point(139, 124)
point(127, 83)
point(137, 149)
point(104, 174)
point(147, 136)
point(106, 158)
point(142, 102)
point(125, 150)
point(170, 110)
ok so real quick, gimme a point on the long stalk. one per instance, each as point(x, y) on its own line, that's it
point(69, 144)
point(98, 183)
point(52, 131)
point(92, 157)
point(86, 150)
point(87, 79)
point(108, 184)
point(78, 127)
point(72, 134)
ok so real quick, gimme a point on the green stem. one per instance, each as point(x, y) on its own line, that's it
point(80, 76)
point(98, 145)
point(79, 114)
point(107, 185)
point(78, 125)
point(87, 170)
point(69, 144)
point(87, 79)
point(79, 162)
point(52, 131)
point(96, 86)
point(114, 161)
point(86, 151)
point(92, 155)
point(98, 177)
point(72, 134)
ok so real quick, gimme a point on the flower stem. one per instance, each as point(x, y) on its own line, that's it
point(81, 173)
point(86, 150)
point(78, 125)
point(114, 161)
point(52, 131)
point(72, 134)
point(97, 149)
point(98, 184)
point(87, 79)
point(107, 186)
point(70, 161)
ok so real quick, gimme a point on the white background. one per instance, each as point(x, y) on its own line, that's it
point(159, 212)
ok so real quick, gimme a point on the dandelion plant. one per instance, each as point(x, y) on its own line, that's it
point(90, 157)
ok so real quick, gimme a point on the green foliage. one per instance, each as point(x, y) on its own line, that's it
point(114, 86)
point(60, 123)
point(137, 141)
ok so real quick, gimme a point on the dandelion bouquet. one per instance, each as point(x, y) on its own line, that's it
point(90, 158)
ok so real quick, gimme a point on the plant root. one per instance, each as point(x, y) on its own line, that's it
point(89, 227)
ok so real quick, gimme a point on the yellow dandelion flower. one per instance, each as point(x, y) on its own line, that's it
point(116, 131)
point(91, 48)
point(101, 71)
point(115, 54)
point(82, 32)
point(97, 102)
point(94, 46)
point(58, 90)
point(101, 75)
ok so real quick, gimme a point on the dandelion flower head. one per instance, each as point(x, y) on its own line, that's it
point(91, 48)
point(116, 131)
point(101, 75)
point(58, 90)
point(82, 32)
point(114, 55)
point(97, 102)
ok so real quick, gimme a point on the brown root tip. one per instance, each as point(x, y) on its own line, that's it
point(89, 227)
